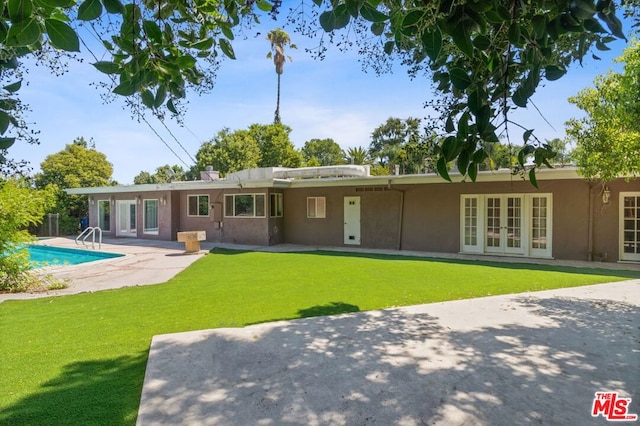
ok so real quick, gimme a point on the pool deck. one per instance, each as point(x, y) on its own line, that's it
point(147, 262)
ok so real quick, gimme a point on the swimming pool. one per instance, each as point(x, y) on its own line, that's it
point(42, 256)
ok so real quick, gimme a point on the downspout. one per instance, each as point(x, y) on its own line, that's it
point(401, 219)
point(590, 233)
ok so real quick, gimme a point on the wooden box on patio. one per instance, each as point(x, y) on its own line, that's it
point(191, 240)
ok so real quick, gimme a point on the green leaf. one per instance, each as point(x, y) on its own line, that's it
point(107, 67)
point(532, 178)
point(23, 33)
point(388, 47)
point(475, 102)
point(482, 42)
point(463, 161)
point(19, 10)
point(13, 87)
point(459, 78)
point(125, 88)
point(583, 9)
point(441, 167)
point(4, 122)
point(601, 46)
point(6, 142)
point(353, 6)
point(113, 6)
point(171, 107)
point(526, 135)
point(318, 2)
point(472, 171)
point(449, 127)
point(265, 6)
point(185, 61)
point(539, 23)
point(462, 39)
point(449, 147)
point(554, 72)
point(432, 42)
point(89, 10)
point(153, 31)
point(147, 98)
point(514, 34)
point(371, 14)
point(62, 36)
point(161, 95)
point(342, 17)
point(520, 97)
point(226, 31)
point(328, 21)
point(57, 3)
point(227, 49)
point(205, 44)
point(377, 28)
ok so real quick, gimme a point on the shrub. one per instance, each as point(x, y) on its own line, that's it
point(20, 206)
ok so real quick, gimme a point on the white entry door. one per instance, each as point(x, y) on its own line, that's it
point(352, 220)
point(126, 218)
point(504, 224)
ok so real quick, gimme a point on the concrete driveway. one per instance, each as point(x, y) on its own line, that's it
point(534, 358)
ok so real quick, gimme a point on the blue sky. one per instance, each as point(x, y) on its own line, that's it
point(332, 98)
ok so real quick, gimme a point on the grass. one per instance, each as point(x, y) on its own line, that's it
point(81, 359)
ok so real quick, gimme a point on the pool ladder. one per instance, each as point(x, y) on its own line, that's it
point(90, 232)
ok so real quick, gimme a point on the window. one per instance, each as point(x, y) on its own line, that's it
point(150, 217)
point(198, 205)
point(104, 215)
point(244, 205)
point(276, 205)
point(316, 207)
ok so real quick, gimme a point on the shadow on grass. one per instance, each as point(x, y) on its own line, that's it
point(97, 392)
point(333, 308)
point(625, 273)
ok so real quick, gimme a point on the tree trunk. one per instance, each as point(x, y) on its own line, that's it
point(276, 119)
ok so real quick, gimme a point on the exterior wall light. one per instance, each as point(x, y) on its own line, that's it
point(606, 195)
point(163, 200)
point(91, 200)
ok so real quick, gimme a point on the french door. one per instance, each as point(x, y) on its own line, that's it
point(510, 224)
point(126, 218)
point(630, 226)
point(503, 231)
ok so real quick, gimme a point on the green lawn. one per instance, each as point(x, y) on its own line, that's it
point(81, 359)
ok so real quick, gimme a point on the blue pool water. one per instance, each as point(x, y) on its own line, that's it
point(41, 256)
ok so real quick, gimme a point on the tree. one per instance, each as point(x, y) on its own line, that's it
point(279, 40)
point(77, 166)
point(229, 152)
point(20, 207)
point(485, 58)
point(564, 154)
point(356, 155)
point(163, 174)
point(608, 137)
point(275, 145)
point(325, 152)
point(399, 142)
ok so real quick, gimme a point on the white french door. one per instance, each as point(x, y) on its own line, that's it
point(630, 226)
point(126, 218)
point(511, 224)
point(503, 231)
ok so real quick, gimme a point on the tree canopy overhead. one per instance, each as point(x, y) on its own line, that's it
point(484, 57)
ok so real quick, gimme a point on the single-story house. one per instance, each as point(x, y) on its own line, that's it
point(567, 217)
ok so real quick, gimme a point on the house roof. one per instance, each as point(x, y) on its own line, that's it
point(265, 178)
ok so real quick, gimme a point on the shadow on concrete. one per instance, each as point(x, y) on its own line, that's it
point(401, 366)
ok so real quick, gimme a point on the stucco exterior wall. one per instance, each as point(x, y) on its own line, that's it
point(424, 217)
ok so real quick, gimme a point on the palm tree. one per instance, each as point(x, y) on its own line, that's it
point(279, 39)
point(357, 155)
